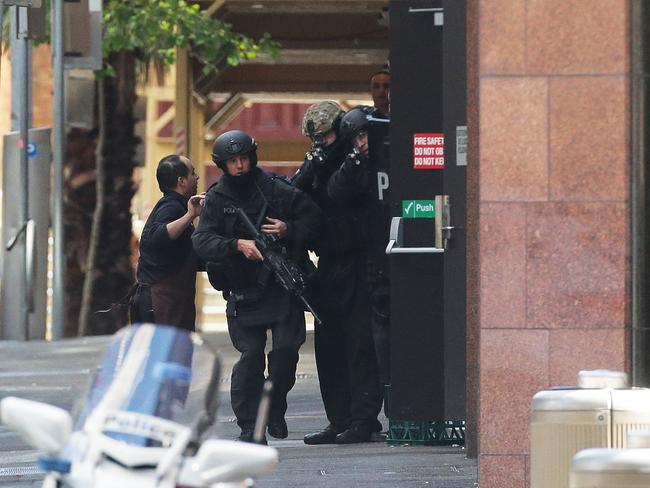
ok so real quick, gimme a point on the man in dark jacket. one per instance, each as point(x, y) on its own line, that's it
point(345, 355)
point(167, 265)
point(255, 301)
point(363, 183)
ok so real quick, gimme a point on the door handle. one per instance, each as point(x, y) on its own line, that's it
point(396, 241)
point(30, 262)
point(443, 221)
point(29, 228)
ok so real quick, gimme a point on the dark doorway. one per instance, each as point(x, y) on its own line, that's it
point(428, 137)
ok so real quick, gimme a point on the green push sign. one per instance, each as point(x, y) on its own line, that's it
point(418, 209)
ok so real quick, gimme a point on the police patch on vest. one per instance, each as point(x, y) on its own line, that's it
point(229, 210)
point(382, 183)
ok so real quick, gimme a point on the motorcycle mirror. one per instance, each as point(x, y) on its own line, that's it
point(207, 416)
point(221, 461)
point(42, 426)
point(263, 412)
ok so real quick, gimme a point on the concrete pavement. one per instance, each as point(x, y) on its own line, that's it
point(59, 373)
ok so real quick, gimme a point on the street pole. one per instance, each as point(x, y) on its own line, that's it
point(58, 148)
point(2, 20)
point(20, 121)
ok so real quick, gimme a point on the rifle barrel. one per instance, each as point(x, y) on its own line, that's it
point(311, 310)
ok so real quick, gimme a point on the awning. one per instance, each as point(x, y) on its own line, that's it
point(329, 48)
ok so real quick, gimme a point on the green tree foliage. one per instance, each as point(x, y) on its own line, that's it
point(154, 29)
point(137, 34)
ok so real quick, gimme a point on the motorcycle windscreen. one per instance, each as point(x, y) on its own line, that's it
point(150, 374)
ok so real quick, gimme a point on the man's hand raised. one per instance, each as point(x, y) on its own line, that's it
point(194, 205)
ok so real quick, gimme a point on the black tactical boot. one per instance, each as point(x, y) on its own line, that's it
point(247, 436)
point(325, 436)
point(354, 435)
point(278, 428)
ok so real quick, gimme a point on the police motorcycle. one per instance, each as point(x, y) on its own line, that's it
point(145, 421)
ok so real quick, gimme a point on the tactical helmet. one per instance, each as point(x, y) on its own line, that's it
point(355, 121)
point(231, 144)
point(325, 115)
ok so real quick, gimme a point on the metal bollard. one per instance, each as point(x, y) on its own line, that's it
point(598, 413)
point(614, 468)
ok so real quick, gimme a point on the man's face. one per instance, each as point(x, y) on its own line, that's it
point(380, 91)
point(360, 142)
point(238, 165)
point(329, 138)
point(190, 183)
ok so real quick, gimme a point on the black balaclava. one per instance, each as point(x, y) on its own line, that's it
point(243, 185)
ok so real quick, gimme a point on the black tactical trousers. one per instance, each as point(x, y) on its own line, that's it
point(248, 373)
point(380, 319)
point(345, 350)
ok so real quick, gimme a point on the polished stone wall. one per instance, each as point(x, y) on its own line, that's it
point(549, 266)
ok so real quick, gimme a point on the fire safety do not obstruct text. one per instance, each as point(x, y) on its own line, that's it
point(429, 151)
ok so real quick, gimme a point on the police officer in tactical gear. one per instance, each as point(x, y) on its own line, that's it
point(362, 182)
point(321, 124)
point(345, 355)
point(255, 301)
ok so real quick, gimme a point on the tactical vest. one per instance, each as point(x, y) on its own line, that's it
point(267, 200)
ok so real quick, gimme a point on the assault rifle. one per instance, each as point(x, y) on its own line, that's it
point(286, 272)
point(316, 153)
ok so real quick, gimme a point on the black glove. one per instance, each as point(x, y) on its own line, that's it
point(355, 159)
point(317, 156)
point(303, 179)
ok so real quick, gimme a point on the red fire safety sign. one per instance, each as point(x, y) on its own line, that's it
point(429, 151)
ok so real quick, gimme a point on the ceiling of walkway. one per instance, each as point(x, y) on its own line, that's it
point(328, 48)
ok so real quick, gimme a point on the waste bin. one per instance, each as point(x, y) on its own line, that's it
point(614, 468)
point(630, 413)
point(598, 413)
point(639, 439)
